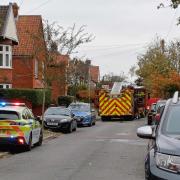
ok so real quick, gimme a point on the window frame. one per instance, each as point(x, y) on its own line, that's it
point(4, 54)
point(5, 86)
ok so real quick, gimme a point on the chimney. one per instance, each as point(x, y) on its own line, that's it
point(15, 10)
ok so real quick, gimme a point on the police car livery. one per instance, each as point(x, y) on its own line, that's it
point(18, 126)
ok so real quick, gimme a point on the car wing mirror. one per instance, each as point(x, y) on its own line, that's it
point(145, 132)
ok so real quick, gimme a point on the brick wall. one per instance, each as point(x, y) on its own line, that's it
point(22, 72)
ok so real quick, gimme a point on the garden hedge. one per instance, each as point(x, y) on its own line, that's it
point(35, 96)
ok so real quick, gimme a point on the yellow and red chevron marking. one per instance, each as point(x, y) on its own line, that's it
point(115, 106)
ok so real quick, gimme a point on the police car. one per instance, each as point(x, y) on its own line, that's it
point(18, 126)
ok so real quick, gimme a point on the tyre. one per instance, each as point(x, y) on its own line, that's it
point(39, 143)
point(103, 118)
point(90, 124)
point(28, 147)
point(70, 128)
point(75, 128)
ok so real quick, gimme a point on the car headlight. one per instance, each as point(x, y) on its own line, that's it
point(64, 120)
point(168, 162)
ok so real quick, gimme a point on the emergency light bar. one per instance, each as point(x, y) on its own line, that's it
point(3, 104)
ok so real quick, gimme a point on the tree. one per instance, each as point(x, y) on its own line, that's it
point(158, 66)
point(58, 40)
point(66, 41)
point(173, 3)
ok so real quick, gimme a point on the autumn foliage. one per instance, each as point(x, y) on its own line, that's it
point(159, 68)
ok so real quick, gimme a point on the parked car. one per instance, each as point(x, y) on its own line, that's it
point(83, 113)
point(151, 113)
point(154, 111)
point(18, 126)
point(163, 156)
point(59, 118)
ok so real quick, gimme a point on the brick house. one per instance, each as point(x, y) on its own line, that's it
point(57, 72)
point(95, 74)
point(30, 54)
point(8, 38)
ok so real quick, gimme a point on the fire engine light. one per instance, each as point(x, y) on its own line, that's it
point(21, 141)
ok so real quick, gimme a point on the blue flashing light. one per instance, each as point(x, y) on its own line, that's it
point(2, 103)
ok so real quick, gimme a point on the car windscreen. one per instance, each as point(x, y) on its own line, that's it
point(57, 111)
point(80, 107)
point(8, 115)
point(161, 103)
point(153, 107)
point(171, 124)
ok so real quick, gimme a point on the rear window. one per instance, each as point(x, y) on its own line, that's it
point(172, 122)
point(8, 115)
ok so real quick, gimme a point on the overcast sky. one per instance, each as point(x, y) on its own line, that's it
point(123, 28)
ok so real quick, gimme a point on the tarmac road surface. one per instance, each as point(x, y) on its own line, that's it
point(107, 151)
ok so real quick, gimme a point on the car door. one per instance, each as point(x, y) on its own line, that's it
point(36, 126)
point(26, 116)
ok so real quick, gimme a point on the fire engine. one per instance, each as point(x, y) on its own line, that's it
point(123, 101)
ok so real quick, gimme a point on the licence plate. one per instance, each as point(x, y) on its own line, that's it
point(52, 124)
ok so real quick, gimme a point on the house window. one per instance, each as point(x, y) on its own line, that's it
point(36, 69)
point(5, 56)
point(5, 86)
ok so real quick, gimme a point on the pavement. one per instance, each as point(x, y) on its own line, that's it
point(107, 151)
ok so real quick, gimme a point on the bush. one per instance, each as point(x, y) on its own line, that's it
point(35, 96)
point(65, 100)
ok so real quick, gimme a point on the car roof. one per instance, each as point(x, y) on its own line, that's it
point(18, 109)
point(79, 103)
point(58, 107)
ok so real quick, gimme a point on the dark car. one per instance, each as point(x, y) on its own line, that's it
point(163, 156)
point(59, 118)
point(151, 113)
point(83, 113)
point(154, 111)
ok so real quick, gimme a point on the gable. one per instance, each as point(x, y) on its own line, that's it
point(3, 13)
point(10, 26)
point(7, 23)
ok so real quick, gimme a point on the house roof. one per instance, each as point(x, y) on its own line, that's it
point(3, 15)
point(94, 71)
point(7, 23)
point(58, 59)
point(28, 29)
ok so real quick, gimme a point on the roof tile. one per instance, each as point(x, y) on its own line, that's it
point(3, 14)
point(27, 28)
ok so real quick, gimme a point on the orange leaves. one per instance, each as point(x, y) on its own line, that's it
point(164, 86)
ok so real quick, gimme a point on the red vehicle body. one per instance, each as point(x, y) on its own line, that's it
point(150, 101)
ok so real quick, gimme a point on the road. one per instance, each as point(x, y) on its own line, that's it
point(108, 151)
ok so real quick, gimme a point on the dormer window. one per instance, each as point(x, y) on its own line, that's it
point(5, 56)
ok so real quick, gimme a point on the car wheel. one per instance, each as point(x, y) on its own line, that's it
point(90, 124)
point(147, 172)
point(94, 123)
point(28, 147)
point(75, 126)
point(70, 128)
point(40, 139)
